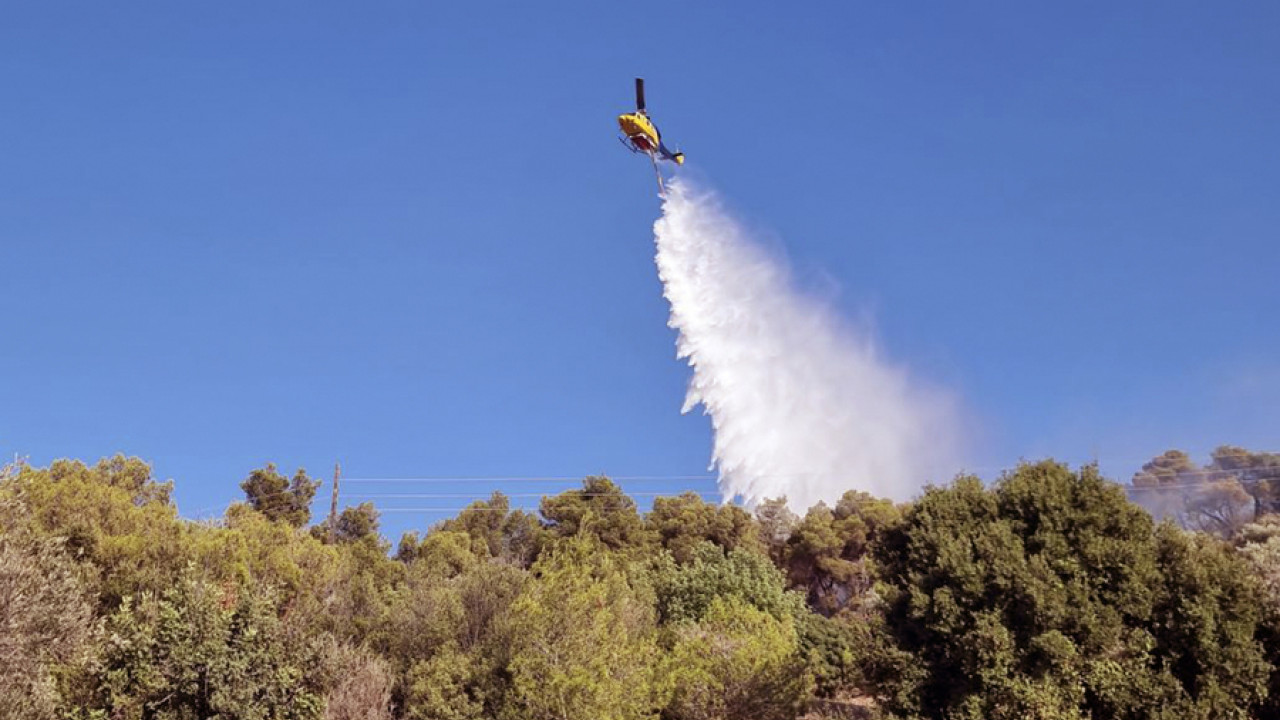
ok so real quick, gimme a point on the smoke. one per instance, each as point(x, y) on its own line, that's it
point(802, 404)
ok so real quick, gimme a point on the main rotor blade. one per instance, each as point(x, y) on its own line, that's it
point(640, 94)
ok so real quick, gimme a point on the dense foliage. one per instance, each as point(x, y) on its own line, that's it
point(1051, 593)
point(1052, 596)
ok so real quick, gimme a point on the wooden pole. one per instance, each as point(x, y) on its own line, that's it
point(333, 502)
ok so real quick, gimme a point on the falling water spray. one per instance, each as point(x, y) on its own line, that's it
point(802, 404)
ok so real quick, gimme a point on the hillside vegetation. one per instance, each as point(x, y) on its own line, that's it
point(1050, 593)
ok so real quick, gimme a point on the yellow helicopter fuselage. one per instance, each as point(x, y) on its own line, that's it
point(640, 131)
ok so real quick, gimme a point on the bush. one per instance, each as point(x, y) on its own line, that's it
point(46, 624)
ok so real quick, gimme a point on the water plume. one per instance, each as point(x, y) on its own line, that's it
point(802, 404)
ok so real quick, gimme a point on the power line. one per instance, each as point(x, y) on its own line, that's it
point(578, 478)
point(545, 479)
point(1267, 472)
point(619, 506)
point(420, 496)
point(478, 498)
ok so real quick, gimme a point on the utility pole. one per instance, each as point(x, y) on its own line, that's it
point(333, 502)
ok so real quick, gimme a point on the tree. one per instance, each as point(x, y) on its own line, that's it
point(1260, 550)
point(201, 650)
point(1219, 507)
point(1162, 484)
point(442, 552)
point(340, 588)
point(582, 641)
point(775, 523)
point(837, 652)
point(46, 624)
point(1205, 623)
point(1257, 473)
point(425, 614)
point(1052, 596)
point(825, 554)
point(681, 523)
point(737, 662)
point(1260, 547)
point(442, 687)
point(1237, 486)
point(485, 595)
point(447, 634)
point(359, 684)
point(511, 536)
point(357, 524)
point(277, 497)
point(112, 517)
point(686, 592)
point(600, 508)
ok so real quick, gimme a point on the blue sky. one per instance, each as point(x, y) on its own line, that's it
point(402, 235)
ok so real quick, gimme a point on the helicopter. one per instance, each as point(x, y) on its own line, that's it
point(640, 135)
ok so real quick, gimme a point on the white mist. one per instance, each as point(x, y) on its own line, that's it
point(801, 404)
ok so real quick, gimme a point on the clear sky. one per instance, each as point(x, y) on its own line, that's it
point(403, 236)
